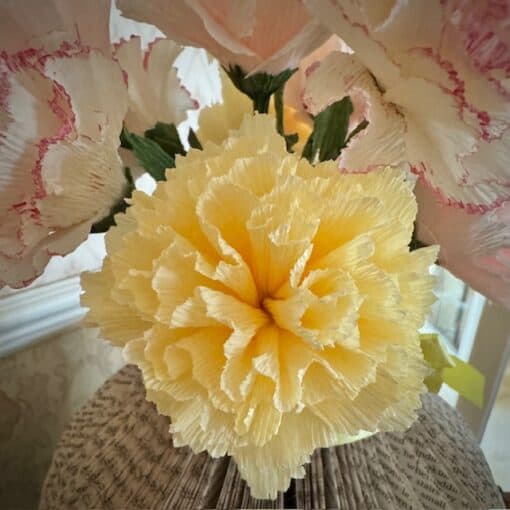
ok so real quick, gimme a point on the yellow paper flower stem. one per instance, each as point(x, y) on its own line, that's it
point(465, 379)
point(462, 377)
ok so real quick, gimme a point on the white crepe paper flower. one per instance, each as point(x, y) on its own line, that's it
point(444, 67)
point(62, 104)
point(34, 23)
point(475, 247)
point(382, 141)
point(155, 92)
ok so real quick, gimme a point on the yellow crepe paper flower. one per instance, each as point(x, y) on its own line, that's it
point(295, 122)
point(217, 120)
point(271, 305)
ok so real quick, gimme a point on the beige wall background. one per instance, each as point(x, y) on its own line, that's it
point(40, 388)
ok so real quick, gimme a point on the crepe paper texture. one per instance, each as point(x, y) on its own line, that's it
point(61, 114)
point(273, 306)
point(216, 121)
point(457, 133)
point(261, 36)
point(436, 96)
point(155, 92)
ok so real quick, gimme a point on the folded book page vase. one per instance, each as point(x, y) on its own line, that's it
point(117, 453)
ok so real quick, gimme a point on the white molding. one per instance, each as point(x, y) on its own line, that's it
point(30, 316)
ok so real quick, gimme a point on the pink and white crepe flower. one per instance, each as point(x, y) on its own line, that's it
point(476, 247)
point(62, 104)
point(30, 23)
point(444, 68)
point(258, 35)
point(155, 91)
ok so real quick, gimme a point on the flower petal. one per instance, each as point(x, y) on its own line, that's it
point(29, 23)
point(340, 75)
point(119, 323)
point(155, 92)
point(320, 345)
point(58, 146)
point(255, 36)
point(474, 247)
point(457, 65)
point(216, 121)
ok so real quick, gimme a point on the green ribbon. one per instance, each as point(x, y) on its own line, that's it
point(462, 377)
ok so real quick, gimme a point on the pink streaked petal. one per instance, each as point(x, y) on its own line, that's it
point(83, 180)
point(348, 21)
point(339, 75)
point(295, 86)
point(87, 164)
point(155, 92)
point(180, 23)
point(59, 139)
point(26, 116)
point(485, 93)
point(474, 247)
point(96, 87)
point(449, 77)
point(20, 271)
point(122, 29)
point(32, 23)
point(19, 230)
point(447, 151)
point(485, 32)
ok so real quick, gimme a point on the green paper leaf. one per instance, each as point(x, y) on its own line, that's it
point(360, 127)
point(415, 243)
point(149, 154)
point(329, 134)
point(193, 140)
point(259, 86)
point(278, 106)
point(167, 137)
point(291, 140)
point(124, 142)
point(307, 149)
point(104, 224)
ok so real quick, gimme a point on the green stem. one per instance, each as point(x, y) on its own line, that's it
point(278, 106)
point(415, 243)
point(261, 103)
